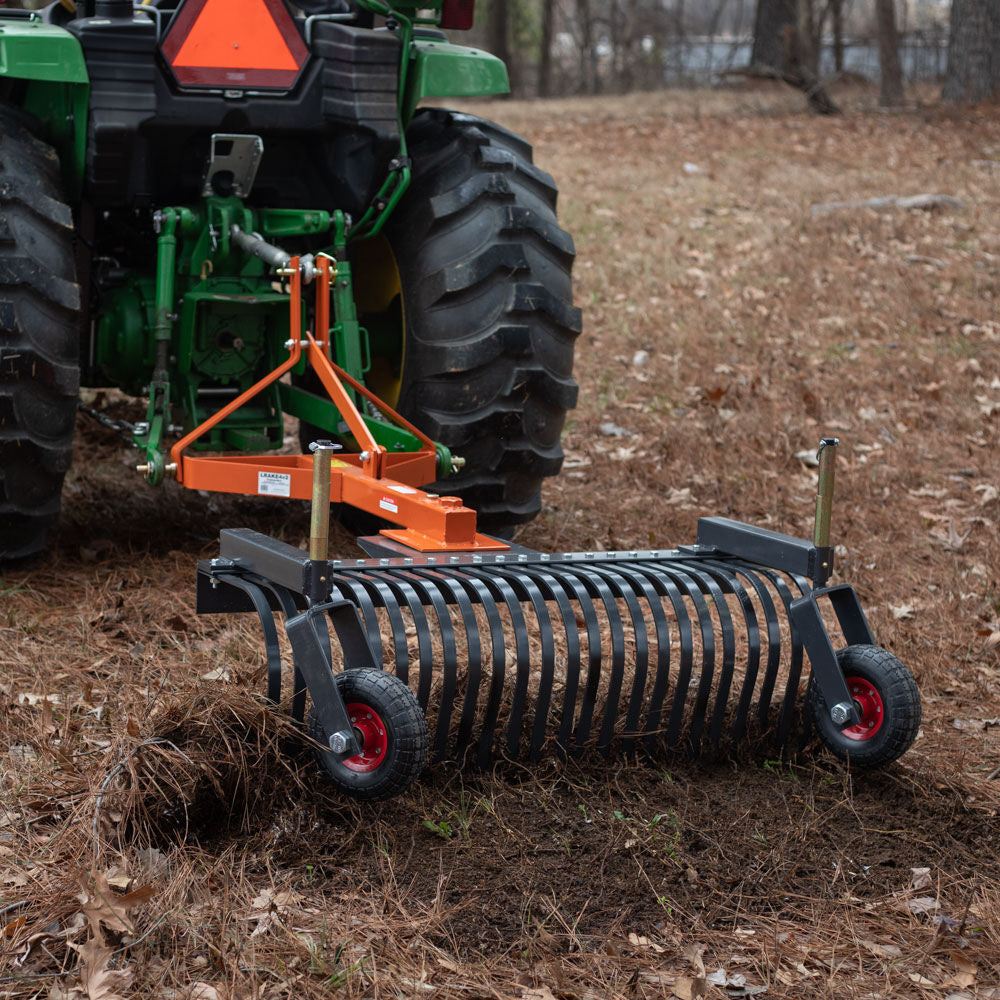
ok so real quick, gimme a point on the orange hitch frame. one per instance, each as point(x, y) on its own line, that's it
point(375, 480)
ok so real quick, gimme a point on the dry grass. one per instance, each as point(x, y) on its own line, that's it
point(161, 838)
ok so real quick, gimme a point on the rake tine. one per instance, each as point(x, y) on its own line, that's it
point(475, 655)
point(288, 608)
point(359, 590)
point(581, 730)
point(502, 590)
point(432, 595)
point(686, 642)
point(271, 648)
point(710, 585)
point(661, 679)
point(548, 656)
point(553, 590)
point(595, 585)
point(627, 593)
point(376, 588)
point(795, 660)
point(753, 638)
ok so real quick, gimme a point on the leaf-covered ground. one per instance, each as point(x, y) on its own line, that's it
point(158, 836)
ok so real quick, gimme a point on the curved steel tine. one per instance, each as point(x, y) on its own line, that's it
point(753, 666)
point(479, 592)
point(728, 650)
point(430, 594)
point(685, 634)
point(678, 572)
point(794, 662)
point(502, 590)
point(547, 640)
point(806, 722)
point(359, 593)
point(554, 591)
point(626, 592)
point(402, 591)
point(661, 679)
point(362, 581)
point(289, 609)
point(566, 578)
point(474, 669)
point(271, 648)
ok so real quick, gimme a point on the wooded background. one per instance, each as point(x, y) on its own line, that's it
point(563, 47)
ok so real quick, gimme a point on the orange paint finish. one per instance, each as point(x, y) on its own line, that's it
point(429, 523)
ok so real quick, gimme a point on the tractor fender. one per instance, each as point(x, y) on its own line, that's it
point(57, 94)
point(439, 69)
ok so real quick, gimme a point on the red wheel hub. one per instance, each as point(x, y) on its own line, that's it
point(371, 734)
point(869, 705)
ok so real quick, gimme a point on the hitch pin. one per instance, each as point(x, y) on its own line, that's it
point(827, 458)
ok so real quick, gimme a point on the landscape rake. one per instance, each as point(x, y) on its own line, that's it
point(636, 650)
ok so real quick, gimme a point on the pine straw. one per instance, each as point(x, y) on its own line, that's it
point(765, 328)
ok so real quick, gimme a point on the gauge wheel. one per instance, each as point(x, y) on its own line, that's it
point(887, 700)
point(390, 728)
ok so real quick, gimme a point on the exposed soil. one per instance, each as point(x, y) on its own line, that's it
point(138, 749)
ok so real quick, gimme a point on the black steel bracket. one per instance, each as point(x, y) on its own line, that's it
point(768, 548)
point(807, 619)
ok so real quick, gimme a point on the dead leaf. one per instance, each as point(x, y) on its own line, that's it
point(103, 906)
point(902, 611)
point(538, 993)
point(922, 904)
point(689, 989)
point(920, 878)
point(218, 674)
point(694, 954)
point(921, 980)
point(883, 950)
point(100, 982)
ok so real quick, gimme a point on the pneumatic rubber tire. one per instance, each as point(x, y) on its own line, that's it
point(887, 697)
point(484, 271)
point(391, 729)
point(40, 328)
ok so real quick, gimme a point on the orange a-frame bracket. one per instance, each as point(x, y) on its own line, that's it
point(375, 480)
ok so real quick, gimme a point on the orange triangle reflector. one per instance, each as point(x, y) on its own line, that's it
point(235, 44)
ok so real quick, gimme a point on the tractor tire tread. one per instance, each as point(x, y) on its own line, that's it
point(489, 352)
point(39, 338)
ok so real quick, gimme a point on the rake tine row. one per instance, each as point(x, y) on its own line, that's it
point(662, 605)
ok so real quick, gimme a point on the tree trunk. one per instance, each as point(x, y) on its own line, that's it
point(778, 47)
point(499, 28)
point(891, 95)
point(773, 19)
point(837, 14)
point(545, 55)
point(804, 30)
point(973, 51)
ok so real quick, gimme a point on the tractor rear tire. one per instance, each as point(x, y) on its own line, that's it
point(39, 338)
point(486, 305)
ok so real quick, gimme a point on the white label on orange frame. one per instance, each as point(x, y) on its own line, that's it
point(387, 503)
point(274, 484)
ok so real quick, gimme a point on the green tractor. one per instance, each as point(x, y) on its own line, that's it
point(160, 165)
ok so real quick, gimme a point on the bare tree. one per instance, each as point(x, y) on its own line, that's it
point(890, 72)
point(973, 51)
point(784, 46)
point(499, 32)
point(545, 48)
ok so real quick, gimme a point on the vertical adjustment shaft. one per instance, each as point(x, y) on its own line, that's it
point(827, 457)
point(319, 523)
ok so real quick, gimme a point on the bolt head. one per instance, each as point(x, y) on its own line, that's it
point(338, 742)
point(840, 713)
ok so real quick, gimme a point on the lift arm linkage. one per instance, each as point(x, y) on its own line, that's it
point(375, 480)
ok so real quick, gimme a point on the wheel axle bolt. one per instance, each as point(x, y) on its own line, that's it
point(338, 742)
point(840, 713)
